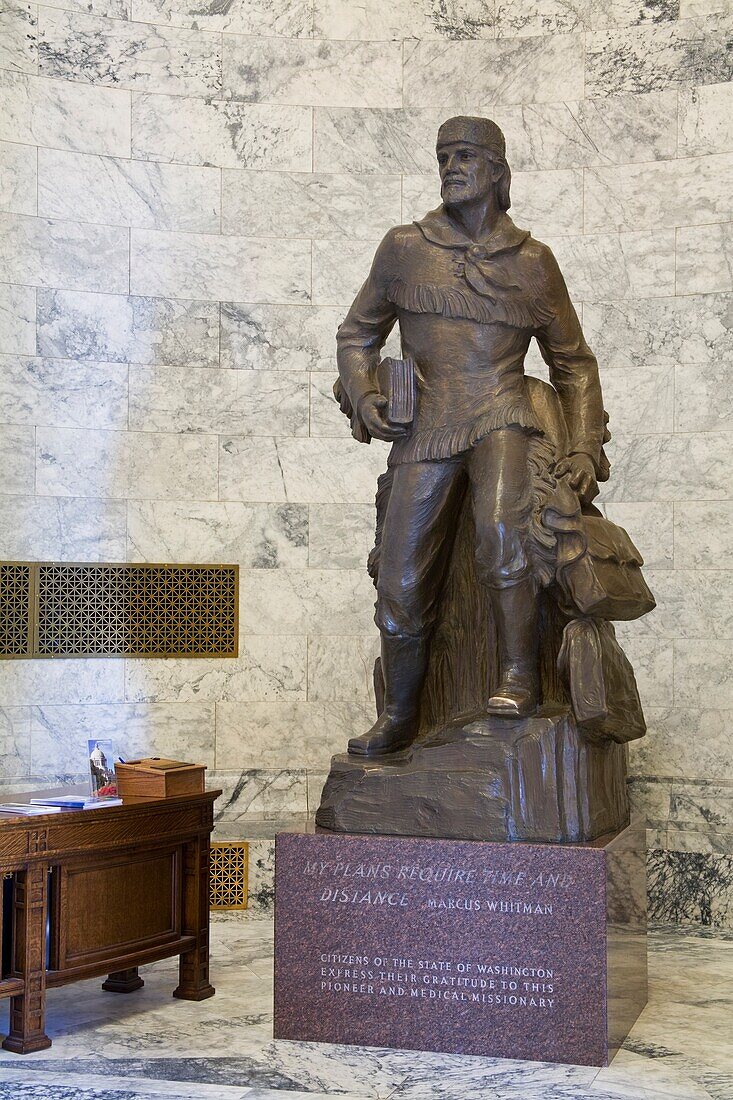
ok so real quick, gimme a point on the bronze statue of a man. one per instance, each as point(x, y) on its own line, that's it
point(469, 291)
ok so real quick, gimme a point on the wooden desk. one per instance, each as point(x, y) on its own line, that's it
point(123, 885)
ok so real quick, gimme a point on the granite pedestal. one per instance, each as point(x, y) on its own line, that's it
point(511, 950)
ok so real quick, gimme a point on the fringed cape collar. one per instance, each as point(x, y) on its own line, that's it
point(439, 228)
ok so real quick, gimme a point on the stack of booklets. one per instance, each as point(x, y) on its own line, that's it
point(54, 805)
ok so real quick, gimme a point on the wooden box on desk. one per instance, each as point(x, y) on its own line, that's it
point(155, 777)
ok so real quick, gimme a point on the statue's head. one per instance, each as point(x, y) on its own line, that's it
point(472, 161)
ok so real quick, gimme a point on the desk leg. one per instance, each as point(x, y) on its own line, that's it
point(123, 981)
point(193, 976)
point(28, 1009)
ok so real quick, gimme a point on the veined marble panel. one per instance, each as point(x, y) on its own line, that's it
point(703, 398)
point(283, 735)
point(76, 680)
point(317, 73)
point(372, 19)
point(255, 795)
point(703, 534)
point(545, 202)
point(691, 603)
point(257, 536)
point(114, 9)
point(62, 529)
point(278, 204)
point(290, 18)
point(312, 601)
point(198, 265)
point(683, 742)
point(641, 59)
point(122, 54)
point(64, 115)
point(215, 132)
point(17, 319)
point(702, 674)
point(326, 417)
point(49, 253)
point(650, 798)
point(705, 807)
point(650, 527)
point(17, 178)
point(143, 465)
point(618, 265)
point(257, 403)
point(339, 269)
point(706, 119)
point(15, 741)
point(457, 75)
point(128, 192)
point(261, 337)
point(679, 192)
point(63, 394)
point(539, 135)
point(653, 663)
point(705, 259)
point(342, 668)
point(318, 471)
point(19, 36)
point(669, 467)
point(17, 458)
point(642, 400)
point(690, 888)
point(181, 731)
point(267, 668)
point(531, 17)
point(660, 331)
point(128, 329)
point(340, 535)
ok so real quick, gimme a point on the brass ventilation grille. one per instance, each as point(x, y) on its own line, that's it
point(61, 609)
point(228, 883)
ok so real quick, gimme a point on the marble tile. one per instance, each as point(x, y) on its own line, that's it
point(318, 471)
point(668, 193)
point(534, 17)
point(69, 116)
point(339, 269)
point(702, 674)
point(690, 604)
point(326, 418)
point(267, 668)
point(257, 536)
point(618, 265)
point(690, 888)
point(283, 735)
point(340, 535)
point(670, 54)
point(703, 534)
point(261, 897)
point(271, 18)
point(122, 54)
point(252, 403)
point(705, 259)
point(313, 601)
point(62, 529)
point(76, 680)
point(63, 394)
point(17, 178)
point(19, 36)
point(705, 119)
point(457, 75)
point(277, 204)
point(126, 192)
point(681, 837)
point(317, 73)
point(15, 742)
point(128, 329)
point(17, 459)
point(385, 19)
point(683, 742)
point(641, 400)
point(341, 669)
point(653, 661)
point(689, 9)
point(262, 337)
point(703, 402)
point(49, 253)
point(660, 331)
point(705, 806)
point(71, 463)
point(114, 9)
point(539, 135)
point(256, 793)
point(199, 265)
point(225, 134)
point(17, 319)
point(669, 467)
point(650, 527)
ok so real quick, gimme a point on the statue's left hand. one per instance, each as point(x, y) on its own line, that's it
point(581, 475)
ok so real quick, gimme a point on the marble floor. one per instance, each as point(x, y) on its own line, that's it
point(147, 1045)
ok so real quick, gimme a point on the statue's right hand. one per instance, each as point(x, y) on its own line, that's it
point(371, 413)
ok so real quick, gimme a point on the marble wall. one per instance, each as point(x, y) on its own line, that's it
point(190, 194)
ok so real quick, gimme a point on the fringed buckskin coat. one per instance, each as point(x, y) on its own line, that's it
point(467, 311)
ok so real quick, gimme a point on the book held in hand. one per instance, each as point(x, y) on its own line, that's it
point(397, 382)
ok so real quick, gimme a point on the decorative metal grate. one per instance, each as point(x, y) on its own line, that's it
point(228, 882)
point(61, 609)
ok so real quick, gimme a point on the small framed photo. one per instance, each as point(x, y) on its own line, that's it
point(103, 781)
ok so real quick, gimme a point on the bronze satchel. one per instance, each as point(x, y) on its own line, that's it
point(606, 580)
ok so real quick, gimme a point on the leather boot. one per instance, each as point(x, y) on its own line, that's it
point(404, 664)
point(517, 620)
